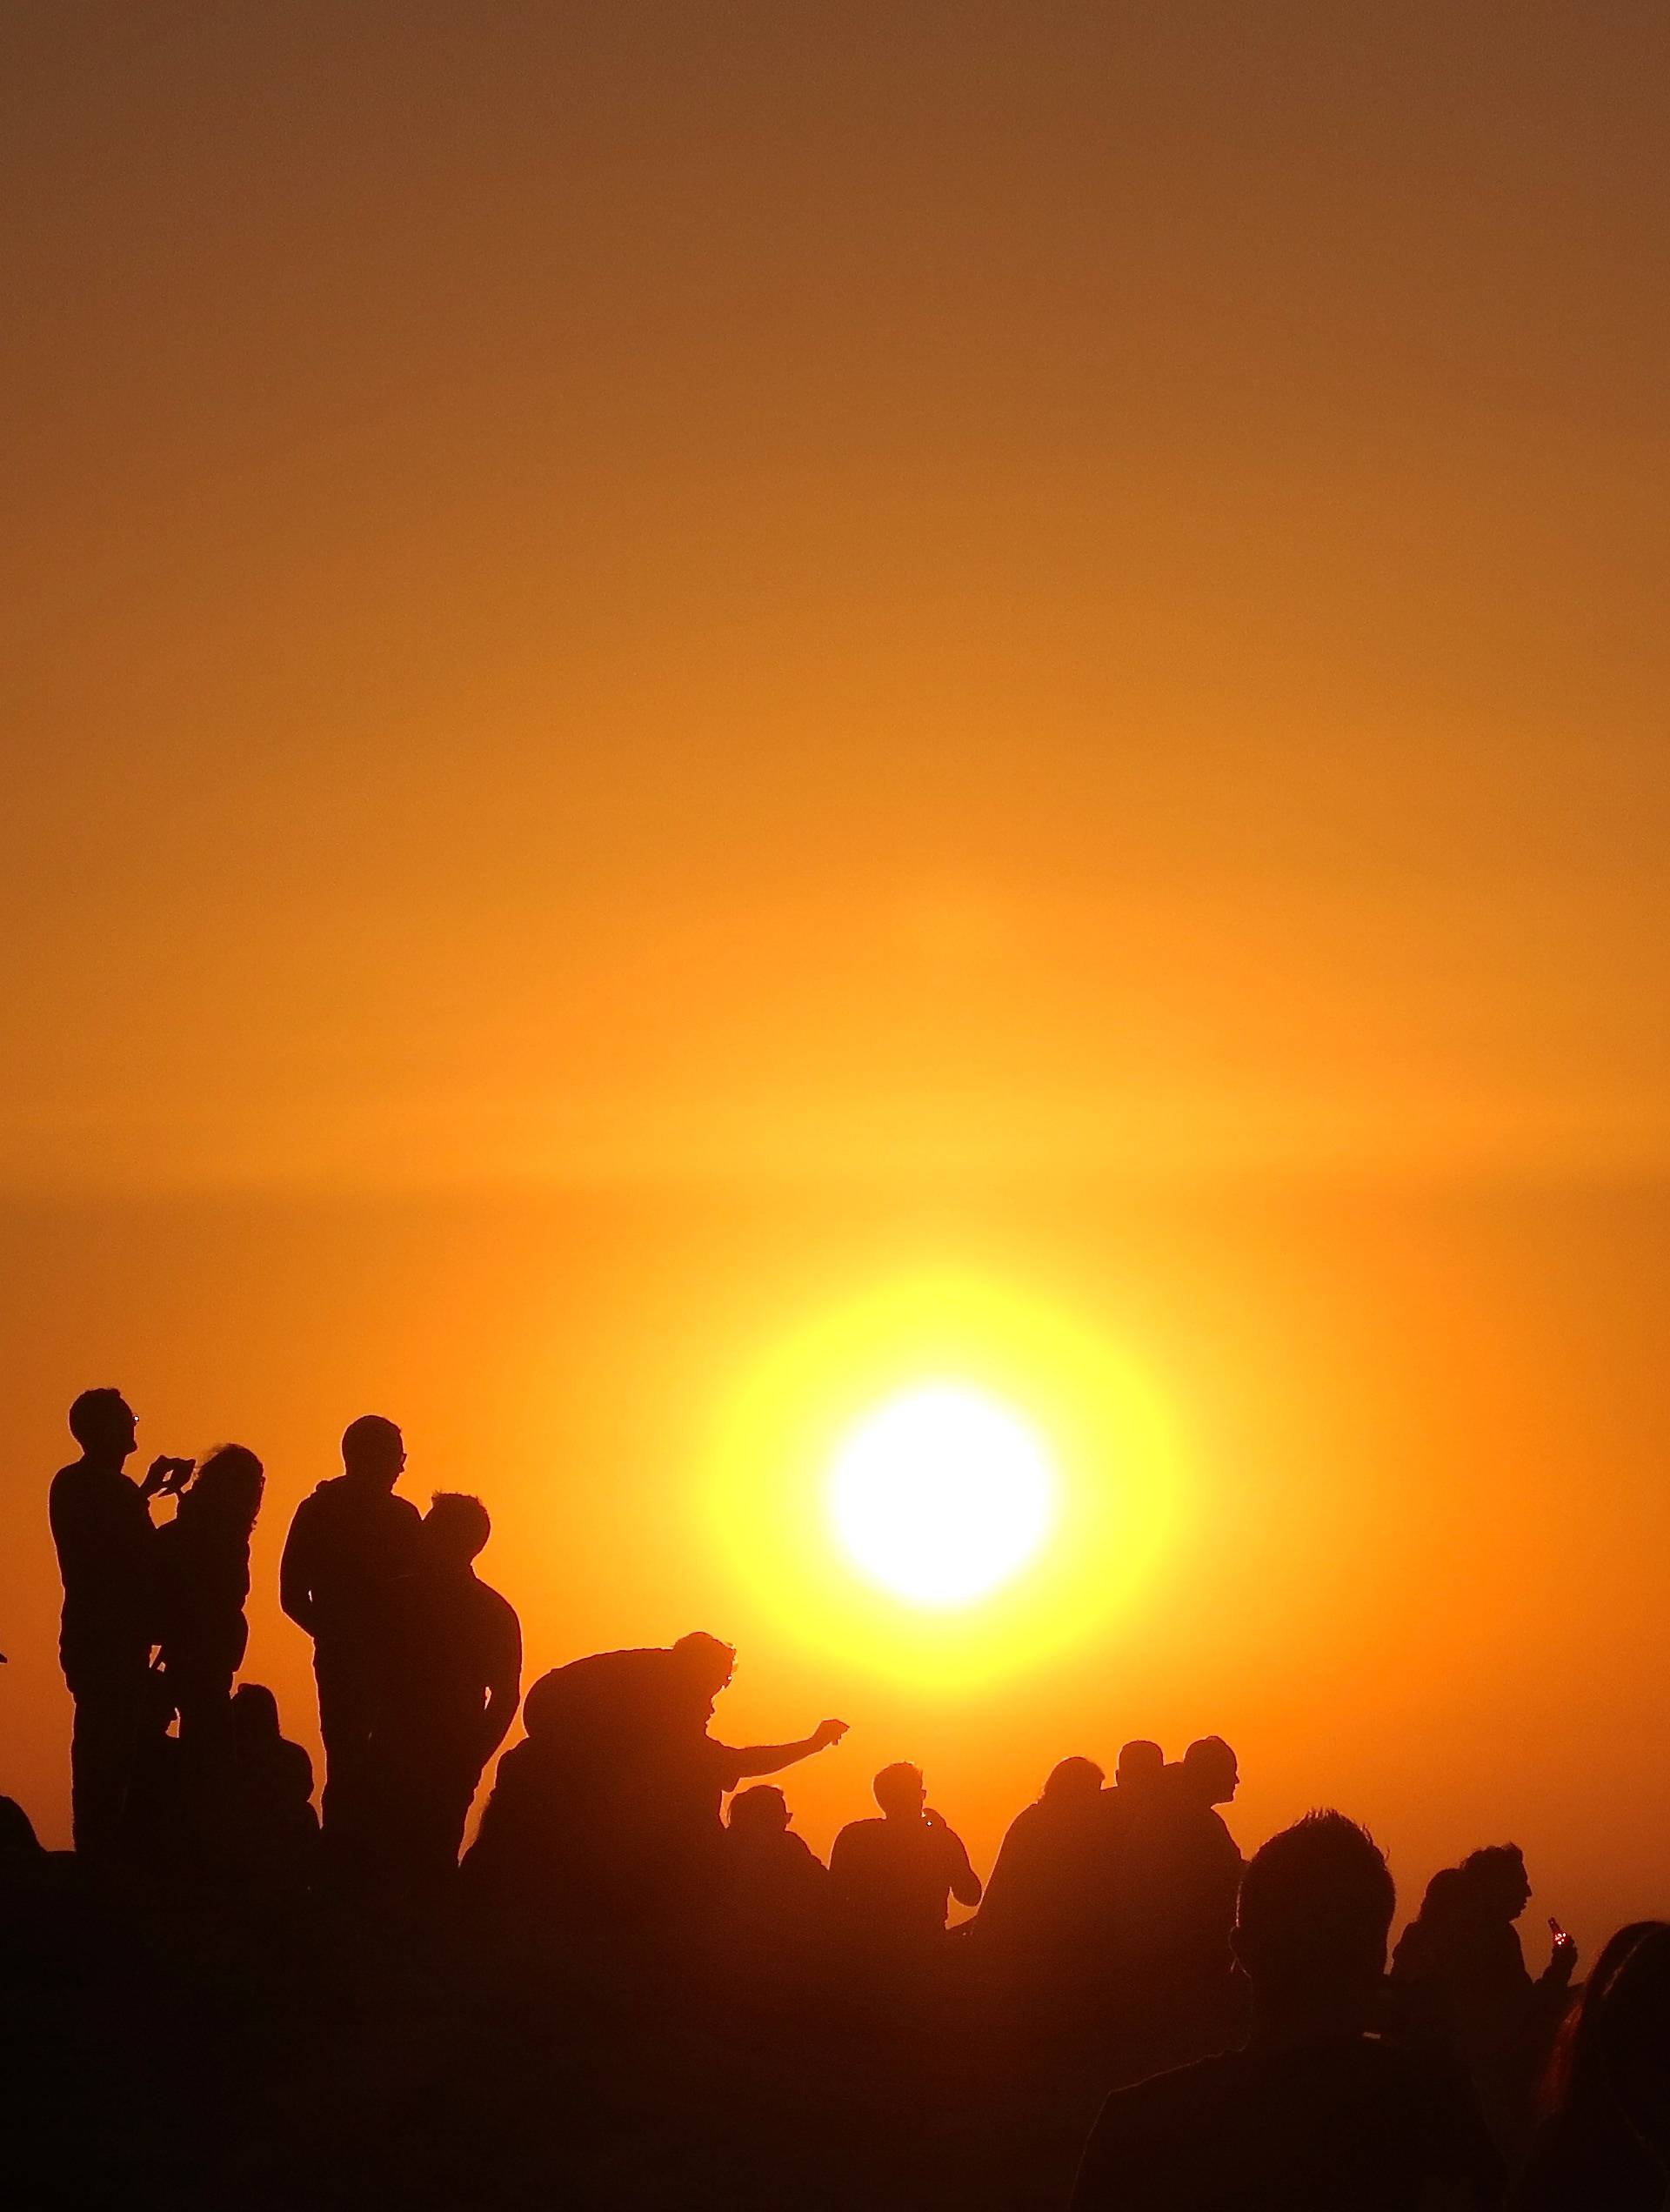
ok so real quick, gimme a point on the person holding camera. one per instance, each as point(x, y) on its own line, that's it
point(102, 1533)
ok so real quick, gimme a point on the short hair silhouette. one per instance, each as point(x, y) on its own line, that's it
point(458, 1523)
point(1314, 1911)
point(1211, 1764)
point(372, 1448)
point(95, 1414)
point(1139, 1762)
point(1071, 1778)
point(705, 1658)
point(761, 1810)
point(898, 1787)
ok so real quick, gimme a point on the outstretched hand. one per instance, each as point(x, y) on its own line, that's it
point(826, 1732)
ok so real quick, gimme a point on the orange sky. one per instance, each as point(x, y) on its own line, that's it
point(835, 637)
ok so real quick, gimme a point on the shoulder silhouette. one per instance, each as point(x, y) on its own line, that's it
point(1315, 2112)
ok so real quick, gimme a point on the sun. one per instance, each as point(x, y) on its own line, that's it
point(941, 1494)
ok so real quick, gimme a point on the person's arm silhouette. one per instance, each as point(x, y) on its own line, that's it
point(504, 1685)
point(296, 1576)
point(965, 1884)
point(752, 1761)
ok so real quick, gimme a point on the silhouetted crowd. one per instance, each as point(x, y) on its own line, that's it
point(630, 1992)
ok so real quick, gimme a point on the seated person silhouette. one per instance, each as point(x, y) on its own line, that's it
point(201, 1563)
point(767, 1861)
point(350, 1544)
point(777, 1890)
point(276, 1830)
point(102, 1533)
point(1605, 2140)
point(454, 1686)
point(1315, 2113)
point(894, 1878)
point(1041, 1895)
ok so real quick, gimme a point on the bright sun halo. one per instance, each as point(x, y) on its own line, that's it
point(941, 1494)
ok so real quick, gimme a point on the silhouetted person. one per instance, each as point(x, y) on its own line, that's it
point(1041, 1900)
point(1315, 2114)
point(349, 1547)
point(1207, 1862)
point(1463, 1957)
point(894, 1878)
point(776, 1888)
point(1604, 2144)
point(615, 1795)
point(277, 1830)
point(102, 1528)
point(689, 1773)
point(455, 1682)
point(202, 1565)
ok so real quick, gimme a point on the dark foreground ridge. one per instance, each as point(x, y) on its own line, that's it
point(628, 1995)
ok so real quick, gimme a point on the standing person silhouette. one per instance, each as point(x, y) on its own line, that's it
point(201, 1560)
point(102, 1530)
point(455, 1682)
point(349, 1546)
point(894, 1878)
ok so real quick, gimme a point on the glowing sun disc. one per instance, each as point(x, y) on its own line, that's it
point(941, 1494)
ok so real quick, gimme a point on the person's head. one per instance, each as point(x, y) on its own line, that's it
point(1445, 1902)
point(762, 1810)
point(1494, 1882)
point(254, 1713)
point(102, 1423)
point(1211, 1775)
point(900, 1791)
point(1073, 1781)
point(456, 1526)
point(226, 1490)
point(1141, 1767)
point(1312, 1917)
point(373, 1452)
point(706, 1663)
